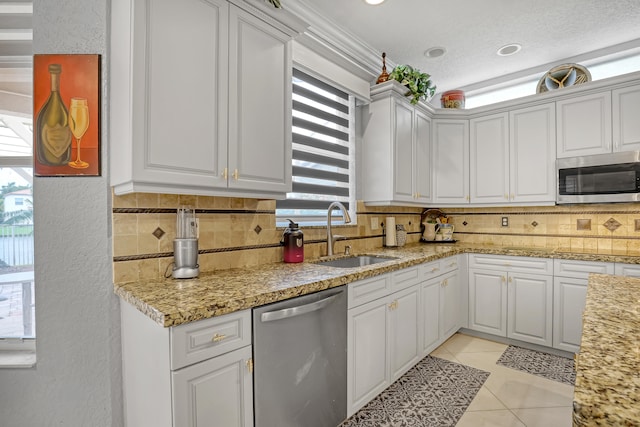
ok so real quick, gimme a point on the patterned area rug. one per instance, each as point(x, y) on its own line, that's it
point(434, 393)
point(534, 362)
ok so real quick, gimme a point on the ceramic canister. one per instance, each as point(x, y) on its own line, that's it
point(452, 99)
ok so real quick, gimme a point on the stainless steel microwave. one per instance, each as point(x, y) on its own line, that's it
point(601, 178)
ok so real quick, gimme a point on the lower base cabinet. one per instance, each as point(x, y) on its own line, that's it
point(383, 345)
point(440, 310)
point(570, 296)
point(507, 300)
point(193, 375)
point(390, 331)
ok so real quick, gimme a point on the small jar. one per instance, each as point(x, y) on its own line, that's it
point(452, 99)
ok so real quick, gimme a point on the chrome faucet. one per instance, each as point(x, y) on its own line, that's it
point(331, 239)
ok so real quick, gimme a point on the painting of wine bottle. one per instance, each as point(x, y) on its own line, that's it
point(66, 131)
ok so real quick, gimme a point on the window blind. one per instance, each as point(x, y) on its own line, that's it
point(321, 161)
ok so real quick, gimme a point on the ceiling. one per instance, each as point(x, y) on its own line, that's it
point(551, 32)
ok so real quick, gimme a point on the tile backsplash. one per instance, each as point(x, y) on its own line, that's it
point(237, 232)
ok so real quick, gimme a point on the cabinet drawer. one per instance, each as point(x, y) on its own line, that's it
point(511, 263)
point(580, 269)
point(630, 270)
point(431, 269)
point(449, 264)
point(197, 341)
point(367, 290)
point(404, 278)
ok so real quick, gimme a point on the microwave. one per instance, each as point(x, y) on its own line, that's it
point(601, 178)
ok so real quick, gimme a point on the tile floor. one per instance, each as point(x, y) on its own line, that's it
point(508, 398)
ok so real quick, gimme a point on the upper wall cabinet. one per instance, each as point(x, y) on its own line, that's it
point(599, 123)
point(626, 114)
point(584, 125)
point(396, 149)
point(200, 99)
point(513, 156)
point(451, 161)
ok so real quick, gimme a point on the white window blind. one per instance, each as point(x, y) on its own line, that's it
point(322, 151)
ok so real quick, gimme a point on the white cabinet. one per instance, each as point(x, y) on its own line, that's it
point(584, 125)
point(190, 110)
point(383, 340)
point(511, 297)
point(214, 392)
point(440, 308)
point(513, 156)
point(532, 154)
point(451, 161)
point(569, 297)
point(196, 374)
point(630, 270)
point(489, 159)
point(396, 155)
point(626, 126)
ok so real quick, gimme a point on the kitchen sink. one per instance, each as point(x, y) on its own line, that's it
point(355, 261)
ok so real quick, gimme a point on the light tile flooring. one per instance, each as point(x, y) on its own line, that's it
point(508, 398)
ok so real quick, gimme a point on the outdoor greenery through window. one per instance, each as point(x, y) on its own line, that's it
point(323, 155)
point(17, 315)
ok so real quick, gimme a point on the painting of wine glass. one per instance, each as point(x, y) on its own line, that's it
point(66, 115)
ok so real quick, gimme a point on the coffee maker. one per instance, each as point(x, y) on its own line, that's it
point(185, 245)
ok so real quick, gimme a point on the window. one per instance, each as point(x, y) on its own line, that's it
point(17, 303)
point(599, 69)
point(323, 154)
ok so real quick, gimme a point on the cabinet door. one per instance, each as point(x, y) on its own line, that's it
point(569, 300)
point(216, 392)
point(532, 176)
point(530, 300)
point(367, 353)
point(626, 126)
point(403, 153)
point(489, 162)
point(584, 125)
point(449, 305)
point(404, 348)
point(422, 159)
point(178, 122)
point(488, 301)
point(259, 105)
point(430, 319)
point(451, 161)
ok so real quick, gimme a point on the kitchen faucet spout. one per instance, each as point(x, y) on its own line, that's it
point(330, 237)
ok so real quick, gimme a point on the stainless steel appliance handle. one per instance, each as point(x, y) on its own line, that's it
point(270, 316)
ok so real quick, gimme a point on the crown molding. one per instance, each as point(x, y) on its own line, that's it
point(326, 38)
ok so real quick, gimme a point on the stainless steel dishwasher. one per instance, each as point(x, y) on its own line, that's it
point(300, 361)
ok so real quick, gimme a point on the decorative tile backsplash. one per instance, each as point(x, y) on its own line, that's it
point(236, 232)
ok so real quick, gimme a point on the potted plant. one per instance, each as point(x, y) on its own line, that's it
point(418, 83)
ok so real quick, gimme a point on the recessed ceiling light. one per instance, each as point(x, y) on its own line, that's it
point(509, 49)
point(373, 2)
point(435, 52)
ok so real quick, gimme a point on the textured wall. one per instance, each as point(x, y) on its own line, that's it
point(77, 380)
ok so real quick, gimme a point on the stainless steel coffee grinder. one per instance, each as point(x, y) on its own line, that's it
point(185, 245)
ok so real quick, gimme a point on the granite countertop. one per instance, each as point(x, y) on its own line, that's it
point(607, 390)
point(171, 302)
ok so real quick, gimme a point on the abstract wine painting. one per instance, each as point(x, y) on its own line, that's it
point(66, 115)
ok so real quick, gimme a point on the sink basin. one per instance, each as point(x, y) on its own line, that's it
point(355, 261)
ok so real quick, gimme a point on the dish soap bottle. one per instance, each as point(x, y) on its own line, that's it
point(293, 242)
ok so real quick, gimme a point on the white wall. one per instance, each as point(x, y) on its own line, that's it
point(77, 380)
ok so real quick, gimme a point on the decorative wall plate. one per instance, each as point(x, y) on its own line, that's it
point(564, 75)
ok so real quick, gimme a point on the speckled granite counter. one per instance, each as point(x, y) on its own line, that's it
point(172, 302)
point(607, 391)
